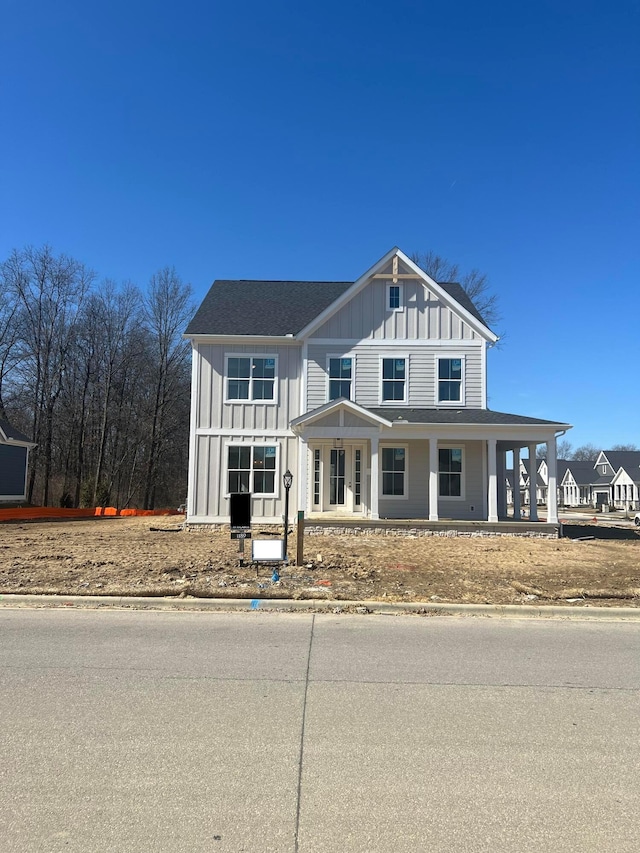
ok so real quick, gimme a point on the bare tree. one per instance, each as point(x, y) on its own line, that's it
point(586, 453)
point(49, 290)
point(99, 377)
point(619, 447)
point(475, 283)
point(563, 450)
point(167, 308)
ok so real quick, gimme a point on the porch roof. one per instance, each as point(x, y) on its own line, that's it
point(461, 416)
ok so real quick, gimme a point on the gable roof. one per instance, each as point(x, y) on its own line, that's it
point(582, 472)
point(9, 433)
point(278, 308)
point(250, 307)
point(627, 459)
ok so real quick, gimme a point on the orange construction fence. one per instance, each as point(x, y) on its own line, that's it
point(44, 512)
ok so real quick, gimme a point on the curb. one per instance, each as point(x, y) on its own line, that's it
point(284, 605)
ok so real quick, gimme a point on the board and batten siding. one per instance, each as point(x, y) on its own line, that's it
point(213, 413)
point(422, 373)
point(416, 505)
point(211, 467)
point(425, 316)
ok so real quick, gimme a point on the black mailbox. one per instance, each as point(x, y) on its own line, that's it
point(240, 510)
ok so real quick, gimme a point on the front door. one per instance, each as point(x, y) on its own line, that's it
point(338, 479)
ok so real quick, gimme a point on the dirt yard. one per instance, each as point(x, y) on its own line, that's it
point(143, 556)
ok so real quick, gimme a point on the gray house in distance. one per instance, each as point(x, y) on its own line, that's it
point(373, 393)
point(14, 459)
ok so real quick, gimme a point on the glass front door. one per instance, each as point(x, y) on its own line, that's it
point(337, 491)
point(338, 479)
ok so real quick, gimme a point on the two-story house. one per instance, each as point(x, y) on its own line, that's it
point(373, 393)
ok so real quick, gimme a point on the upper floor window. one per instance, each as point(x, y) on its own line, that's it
point(394, 297)
point(251, 468)
point(449, 380)
point(450, 472)
point(251, 378)
point(340, 377)
point(393, 379)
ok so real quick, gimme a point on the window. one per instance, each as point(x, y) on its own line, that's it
point(394, 461)
point(251, 378)
point(251, 468)
point(316, 477)
point(449, 380)
point(393, 379)
point(394, 297)
point(450, 472)
point(340, 375)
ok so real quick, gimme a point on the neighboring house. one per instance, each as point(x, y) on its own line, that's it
point(541, 481)
point(575, 484)
point(617, 480)
point(14, 459)
point(373, 393)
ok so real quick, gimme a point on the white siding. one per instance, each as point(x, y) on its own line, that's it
point(422, 373)
point(417, 503)
point(214, 413)
point(425, 317)
point(211, 466)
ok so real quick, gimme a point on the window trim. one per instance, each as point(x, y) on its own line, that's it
point(392, 445)
point(463, 474)
point(451, 403)
point(250, 402)
point(251, 444)
point(350, 356)
point(400, 307)
point(394, 357)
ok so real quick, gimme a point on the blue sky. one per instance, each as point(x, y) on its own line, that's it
point(291, 140)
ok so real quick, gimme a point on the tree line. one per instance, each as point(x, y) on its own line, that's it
point(96, 374)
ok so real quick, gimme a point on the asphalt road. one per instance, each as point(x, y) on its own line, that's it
point(125, 731)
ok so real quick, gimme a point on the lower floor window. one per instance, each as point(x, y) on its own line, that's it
point(393, 471)
point(450, 472)
point(252, 468)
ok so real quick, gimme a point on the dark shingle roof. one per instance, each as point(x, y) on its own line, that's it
point(460, 295)
point(11, 432)
point(627, 459)
point(458, 416)
point(263, 307)
point(582, 472)
point(243, 307)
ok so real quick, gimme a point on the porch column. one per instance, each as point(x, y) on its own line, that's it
point(492, 477)
point(374, 478)
point(303, 475)
point(533, 478)
point(552, 486)
point(433, 479)
point(501, 471)
point(517, 515)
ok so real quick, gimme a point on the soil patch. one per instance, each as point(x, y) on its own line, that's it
point(123, 556)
